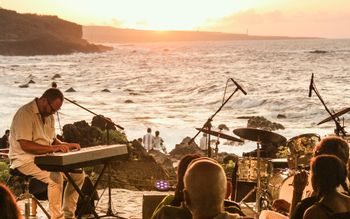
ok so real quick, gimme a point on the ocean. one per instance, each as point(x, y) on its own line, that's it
point(174, 87)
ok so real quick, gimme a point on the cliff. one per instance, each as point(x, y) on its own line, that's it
point(117, 35)
point(30, 34)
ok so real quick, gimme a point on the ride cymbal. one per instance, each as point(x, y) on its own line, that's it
point(260, 135)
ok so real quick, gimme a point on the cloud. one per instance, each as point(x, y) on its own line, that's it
point(313, 23)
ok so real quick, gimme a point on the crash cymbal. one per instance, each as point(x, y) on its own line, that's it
point(220, 135)
point(260, 135)
point(337, 114)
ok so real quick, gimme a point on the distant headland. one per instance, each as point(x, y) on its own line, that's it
point(31, 34)
point(107, 34)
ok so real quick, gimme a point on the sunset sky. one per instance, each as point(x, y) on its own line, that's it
point(319, 18)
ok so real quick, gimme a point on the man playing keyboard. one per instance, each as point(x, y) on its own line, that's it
point(33, 133)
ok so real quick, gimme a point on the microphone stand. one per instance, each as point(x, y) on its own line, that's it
point(338, 128)
point(109, 212)
point(207, 125)
point(100, 116)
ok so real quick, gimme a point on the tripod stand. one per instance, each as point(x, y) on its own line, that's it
point(257, 189)
point(109, 212)
point(259, 136)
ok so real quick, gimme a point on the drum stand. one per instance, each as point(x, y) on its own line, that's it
point(260, 194)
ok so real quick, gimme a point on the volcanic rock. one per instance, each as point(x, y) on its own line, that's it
point(71, 90)
point(185, 148)
point(262, 123)
point(56, 76)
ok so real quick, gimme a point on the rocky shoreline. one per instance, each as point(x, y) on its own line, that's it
point(31, 34)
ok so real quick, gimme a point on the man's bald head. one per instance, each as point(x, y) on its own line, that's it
point(205, 187)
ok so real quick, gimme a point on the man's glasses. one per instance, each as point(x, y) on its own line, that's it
point(52, 109)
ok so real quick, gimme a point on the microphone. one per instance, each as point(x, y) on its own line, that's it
point(311, 84)
point(238, 86)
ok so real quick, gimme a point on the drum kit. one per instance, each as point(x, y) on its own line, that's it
point(273, 177)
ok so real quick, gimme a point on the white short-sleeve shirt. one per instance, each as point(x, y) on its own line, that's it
point(27, 124)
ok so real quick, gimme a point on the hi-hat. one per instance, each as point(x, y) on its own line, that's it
point(220, 135)
point(337, 114)
point(260, 135)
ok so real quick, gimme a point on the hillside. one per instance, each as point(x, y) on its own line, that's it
point(117, 35)
point(30, 34)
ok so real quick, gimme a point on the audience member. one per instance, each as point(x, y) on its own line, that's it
point(177, 199)
point(8, 205)
point(327, 173)
point(205, 190)
point(331, 146)
point(148, 140)
point(328, 145)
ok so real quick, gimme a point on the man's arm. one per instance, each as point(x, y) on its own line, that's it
point(299, 184)
point(35, 148)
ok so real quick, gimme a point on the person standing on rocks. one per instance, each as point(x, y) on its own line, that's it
point(148, 140)
point(203, 142)
point(158, 143)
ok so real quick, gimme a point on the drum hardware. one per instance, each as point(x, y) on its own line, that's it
point(259, 136)
point(207, 125)
point(219, 135)
point(339, 130)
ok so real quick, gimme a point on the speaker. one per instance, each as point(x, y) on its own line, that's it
point(243, 188)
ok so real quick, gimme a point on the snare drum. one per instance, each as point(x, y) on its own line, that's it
point(247, 169)
point(281, 187)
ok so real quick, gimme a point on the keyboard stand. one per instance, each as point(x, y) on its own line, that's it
point(86, 200)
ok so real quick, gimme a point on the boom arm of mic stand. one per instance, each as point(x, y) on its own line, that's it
point(339, 128)
point(102, 117)
point(211, 118)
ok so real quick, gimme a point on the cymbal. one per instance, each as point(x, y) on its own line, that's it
point(337, 114)
point(260, 135)
point(220, 135)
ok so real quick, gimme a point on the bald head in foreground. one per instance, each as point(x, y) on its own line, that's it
point(205, 189)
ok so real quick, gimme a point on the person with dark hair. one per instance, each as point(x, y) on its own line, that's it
point(4, 143)
point(331, 146)
point(33, 133)
point(327, 173)
point(8, 204)
point(177, 199)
